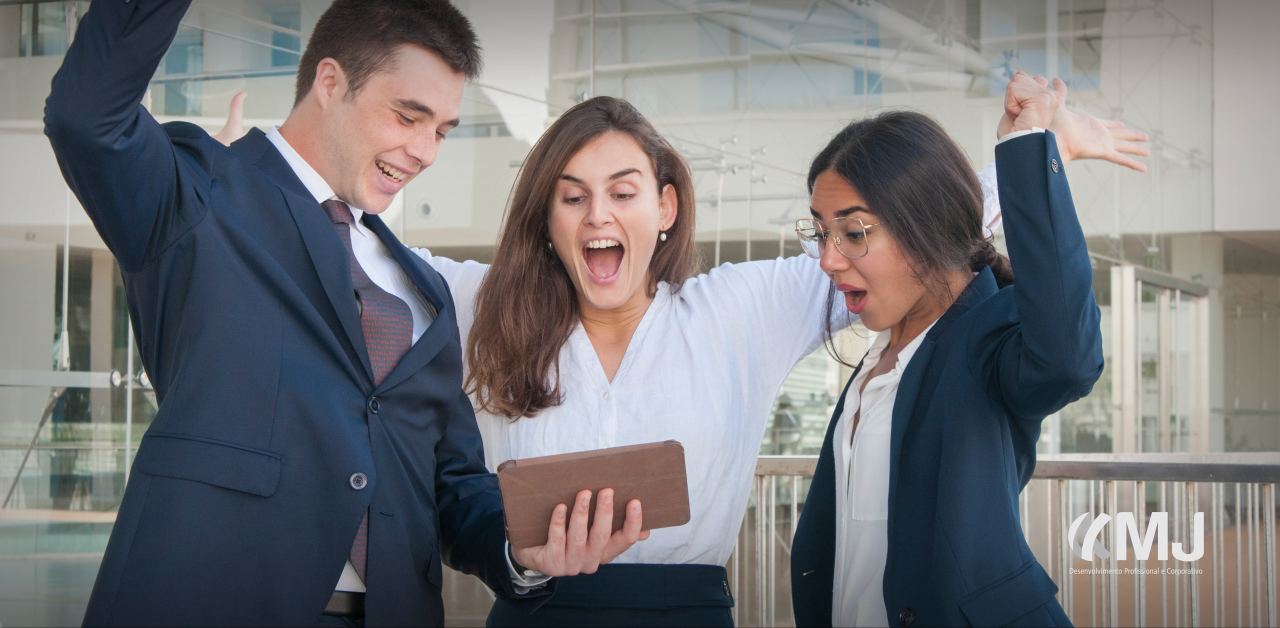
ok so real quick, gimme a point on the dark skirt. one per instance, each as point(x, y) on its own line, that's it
point(628, 595)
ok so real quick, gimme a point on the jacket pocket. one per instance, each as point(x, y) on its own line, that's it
point(209, 461)
point(1009, 598)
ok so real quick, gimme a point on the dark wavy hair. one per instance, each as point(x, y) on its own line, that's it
point(527, 306)
point(921, 187)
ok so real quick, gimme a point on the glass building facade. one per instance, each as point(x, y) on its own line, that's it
point(1187, 256)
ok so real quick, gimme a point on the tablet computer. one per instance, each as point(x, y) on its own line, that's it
point(653, 473)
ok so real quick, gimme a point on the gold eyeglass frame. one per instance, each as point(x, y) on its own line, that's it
point(823, 233)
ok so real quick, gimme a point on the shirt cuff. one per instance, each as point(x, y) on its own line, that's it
point(527, 581)
point(1017, 134)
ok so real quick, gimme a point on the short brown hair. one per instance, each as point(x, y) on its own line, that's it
point(361, 35)
point(527, 305)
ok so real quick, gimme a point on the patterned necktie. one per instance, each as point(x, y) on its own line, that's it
point(387, 324)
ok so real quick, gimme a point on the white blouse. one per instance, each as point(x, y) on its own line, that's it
point(703, 368)
point(862, 489)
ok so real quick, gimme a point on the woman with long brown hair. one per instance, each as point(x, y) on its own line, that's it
point(591, 330)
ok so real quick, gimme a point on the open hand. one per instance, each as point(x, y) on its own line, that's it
point(234, 128)
point(1086, 137)
point(572, 549)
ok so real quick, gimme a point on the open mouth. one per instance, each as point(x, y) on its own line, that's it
point(854, 300)
point(603, 257)
point(391, 172)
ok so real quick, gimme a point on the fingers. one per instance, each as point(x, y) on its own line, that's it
point(576, 551)
point(601, 530)
point(1133, 149)
point(623, 539)
point(1127, 162)
point(1044, 82)
point(236, 113)
point(234, 128)
point(1129, 135)
point(556, 531)
point(1061, 88)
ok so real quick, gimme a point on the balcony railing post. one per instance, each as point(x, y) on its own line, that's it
point(1269, 495)
point(1193, 503)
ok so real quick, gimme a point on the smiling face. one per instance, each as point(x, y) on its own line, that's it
point(374, 142)
point(605, 219)
point(880, 286)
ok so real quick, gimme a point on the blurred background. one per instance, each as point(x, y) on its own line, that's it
point(1187, 256)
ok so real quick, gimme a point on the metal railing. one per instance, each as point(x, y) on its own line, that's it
point(1232, 584)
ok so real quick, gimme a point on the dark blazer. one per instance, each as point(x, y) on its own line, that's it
point(241, 508)
point(965, 424)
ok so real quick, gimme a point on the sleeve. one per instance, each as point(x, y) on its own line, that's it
point(1052, 354)
point(472, 532)
point(464, 279)
point(779, 309)
point(139, 190)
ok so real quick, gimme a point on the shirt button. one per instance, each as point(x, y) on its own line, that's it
point(606, 394)
point(374, 405)
point(359, 481)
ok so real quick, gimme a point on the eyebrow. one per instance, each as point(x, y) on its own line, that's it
point(413, 105)
point(841, 213)
point(617, 175)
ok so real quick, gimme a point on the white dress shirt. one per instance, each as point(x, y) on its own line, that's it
point(862, 489)
point(703, 368)
point(377, 263)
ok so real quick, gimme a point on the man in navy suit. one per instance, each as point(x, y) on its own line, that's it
point(314, 457)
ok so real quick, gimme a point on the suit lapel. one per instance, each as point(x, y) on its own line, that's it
point(909, 386)
point(439, 332)
point(323, 244)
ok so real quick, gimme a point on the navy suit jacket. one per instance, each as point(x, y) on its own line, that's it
point(241, 507)
point(965, 424)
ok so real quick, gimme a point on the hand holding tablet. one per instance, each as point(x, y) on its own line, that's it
point(536, 491)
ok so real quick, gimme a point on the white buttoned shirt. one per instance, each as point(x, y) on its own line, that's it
point(862, 488)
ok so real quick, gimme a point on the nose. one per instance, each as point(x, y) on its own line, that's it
point(424, 149)
point(833, 261)
point(599, 214)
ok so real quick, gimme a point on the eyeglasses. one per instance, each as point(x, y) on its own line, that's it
point(848, 233)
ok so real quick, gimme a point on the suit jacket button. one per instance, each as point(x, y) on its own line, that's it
point(359, 481)
point(374, 405)
point(1053, 163)
point(725, 587)
point(906, 617)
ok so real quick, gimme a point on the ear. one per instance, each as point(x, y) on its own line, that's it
point(668, 207)
point(330, 85)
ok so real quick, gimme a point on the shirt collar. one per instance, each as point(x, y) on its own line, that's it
point(314, 183)
point(881, 343)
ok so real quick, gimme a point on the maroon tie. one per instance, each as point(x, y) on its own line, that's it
point(387, 324)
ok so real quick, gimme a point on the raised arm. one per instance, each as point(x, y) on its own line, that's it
point(138, 190)
point(1054, 355)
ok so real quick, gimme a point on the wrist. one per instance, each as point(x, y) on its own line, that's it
point(519, 568)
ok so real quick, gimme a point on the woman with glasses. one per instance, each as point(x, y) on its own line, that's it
point(912, 516)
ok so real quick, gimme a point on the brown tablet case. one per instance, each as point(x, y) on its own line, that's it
point(653, 473)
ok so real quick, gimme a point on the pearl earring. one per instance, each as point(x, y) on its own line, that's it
point(550, 246)
point(662, 236)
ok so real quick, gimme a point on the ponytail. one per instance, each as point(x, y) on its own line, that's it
point(987, 255)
